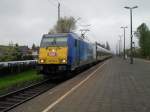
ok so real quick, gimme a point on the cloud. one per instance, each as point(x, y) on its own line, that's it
point(25, 21)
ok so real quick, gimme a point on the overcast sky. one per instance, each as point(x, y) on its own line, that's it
point(25, 21)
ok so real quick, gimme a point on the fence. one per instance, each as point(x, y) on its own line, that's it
point(13, 67)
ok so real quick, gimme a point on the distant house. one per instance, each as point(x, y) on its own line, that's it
point(24, 50)
point(3, 50)
point(21, 53)
point(4, 53)
point(35, 52)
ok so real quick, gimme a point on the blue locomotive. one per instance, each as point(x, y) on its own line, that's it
point(68, 52)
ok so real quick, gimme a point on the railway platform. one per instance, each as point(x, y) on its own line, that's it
point(112, 86)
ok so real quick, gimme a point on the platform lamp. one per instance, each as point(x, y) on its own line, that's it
point(131, 49)
point(124, 30)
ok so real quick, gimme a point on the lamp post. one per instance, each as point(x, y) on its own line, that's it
point(120, 45)
point(124, 54)
point(134, 48)
point(131, 49)
point(58, 11)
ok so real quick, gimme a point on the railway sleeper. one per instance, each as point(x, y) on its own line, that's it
point(6, 103)
point(13, 100)
point(26, 94)
point(39, 90)
point(20, 97)
point(4, 107)
point(30, 92)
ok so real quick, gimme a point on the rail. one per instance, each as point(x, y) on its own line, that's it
point(18, 97)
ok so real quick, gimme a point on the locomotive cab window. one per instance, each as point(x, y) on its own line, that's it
point(54, 41)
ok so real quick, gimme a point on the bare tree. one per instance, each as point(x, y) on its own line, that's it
point(64, 25)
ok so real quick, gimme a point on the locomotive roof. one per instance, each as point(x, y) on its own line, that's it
point(58, 34)
point(61, 34)
point(65, 35)
point(76, 37)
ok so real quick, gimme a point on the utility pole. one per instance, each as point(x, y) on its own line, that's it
point(58, 11)
point(117, 49)
point(124, 54)
point(131, 45)
point(134, 48)
point(120, 45)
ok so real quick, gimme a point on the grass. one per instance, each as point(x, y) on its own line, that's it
point(18, 79)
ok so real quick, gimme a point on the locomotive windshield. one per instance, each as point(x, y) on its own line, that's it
point(53, 41)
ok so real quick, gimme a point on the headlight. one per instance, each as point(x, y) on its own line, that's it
point(63, 61)
point(42, 61)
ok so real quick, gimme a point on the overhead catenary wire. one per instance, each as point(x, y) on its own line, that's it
point(52, 3)
point(65, 8)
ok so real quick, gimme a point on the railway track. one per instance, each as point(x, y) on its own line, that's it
point(16, 98)
point(13, 99)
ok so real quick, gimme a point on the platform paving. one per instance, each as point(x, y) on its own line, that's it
point(118, 86)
